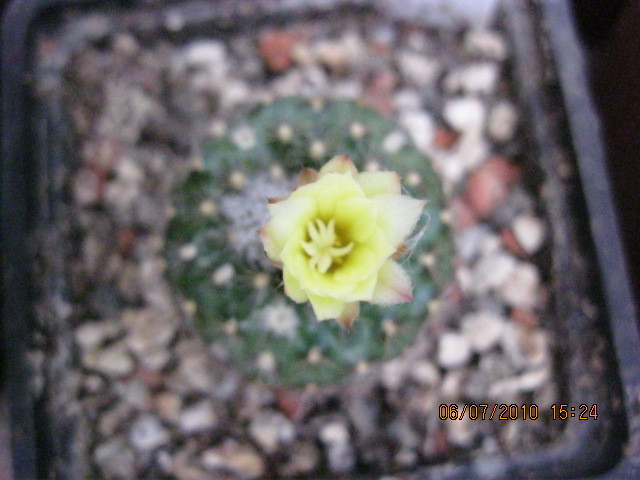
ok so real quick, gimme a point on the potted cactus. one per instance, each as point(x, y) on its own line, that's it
point(279, 241)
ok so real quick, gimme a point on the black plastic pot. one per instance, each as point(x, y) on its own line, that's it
point(588, 263)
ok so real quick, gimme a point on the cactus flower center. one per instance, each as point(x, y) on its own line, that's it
point(324, 247)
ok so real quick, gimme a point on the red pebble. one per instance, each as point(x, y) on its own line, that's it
point(445, 138)
point(275, 47)
point(526, 318)
point(462, 214)
point(511, 243)
point(489, 185)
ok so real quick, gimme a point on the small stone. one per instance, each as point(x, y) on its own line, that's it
point(113, 361)
point(454, 350)
point(525, 383)
point(218, 128)
point(524, 317)
point(340, 455)
point(198, 418)
point(147, 434)
point(276, 49)
point(521, 288)
point(463, 215)
point(236, 458)
point(148, 330)
point(223, 274)
point(418, 69)
point(304, 459)
point(208, 208)
point(393, 374)
point(407, 99)
point(317, 149)
point(486, 43)
point(445, 138)
point(188, 252)
point(465, 114)
point(461, 432)
point(489, 185)
point(378, 94)
point(502, 123)
point(493, 271)
point(86, 187)
point(332, 54)
point(425, 373)
point(394, 141)
point(91, 335)
point(530, 232)
point(474, 79)
point(420, 126)
point(111, 419)
point(526, 347)
point(168, 406)
point(483, 329)
point(114, 459)
point(271, 431)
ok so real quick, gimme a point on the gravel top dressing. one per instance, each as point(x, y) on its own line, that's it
point(166, 346)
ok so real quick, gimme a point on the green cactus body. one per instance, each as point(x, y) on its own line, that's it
point(217, 262)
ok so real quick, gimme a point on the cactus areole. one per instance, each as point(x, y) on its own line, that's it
point(297, 214)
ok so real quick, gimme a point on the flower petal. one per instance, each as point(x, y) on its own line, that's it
point(359, 264)
point(286, 216)
point(328, 191)
point(363, 290)
point(338, 164)
point(349, 314)
point(394, 285)
point(292, 287)
point(356, 218)
point(376, 183)
point(398, 215)
point(327, 307)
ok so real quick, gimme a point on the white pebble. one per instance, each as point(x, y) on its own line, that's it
point(454, 350)
point(466, 114)
point(418, 69)
point(420, 126)
point(147, 434)
point(486, 43)
point(483, 329)
point(475, 79)
point(394, 141)
point(529, 231)
point(502, 122)
point(198, 418)
point(521, 287)
point(425, 373)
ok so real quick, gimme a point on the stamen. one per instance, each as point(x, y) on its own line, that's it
point(324, 247)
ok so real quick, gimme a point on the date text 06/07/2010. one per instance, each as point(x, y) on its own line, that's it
point(525, 411)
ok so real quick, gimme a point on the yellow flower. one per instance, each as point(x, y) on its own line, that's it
point(335, 238)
